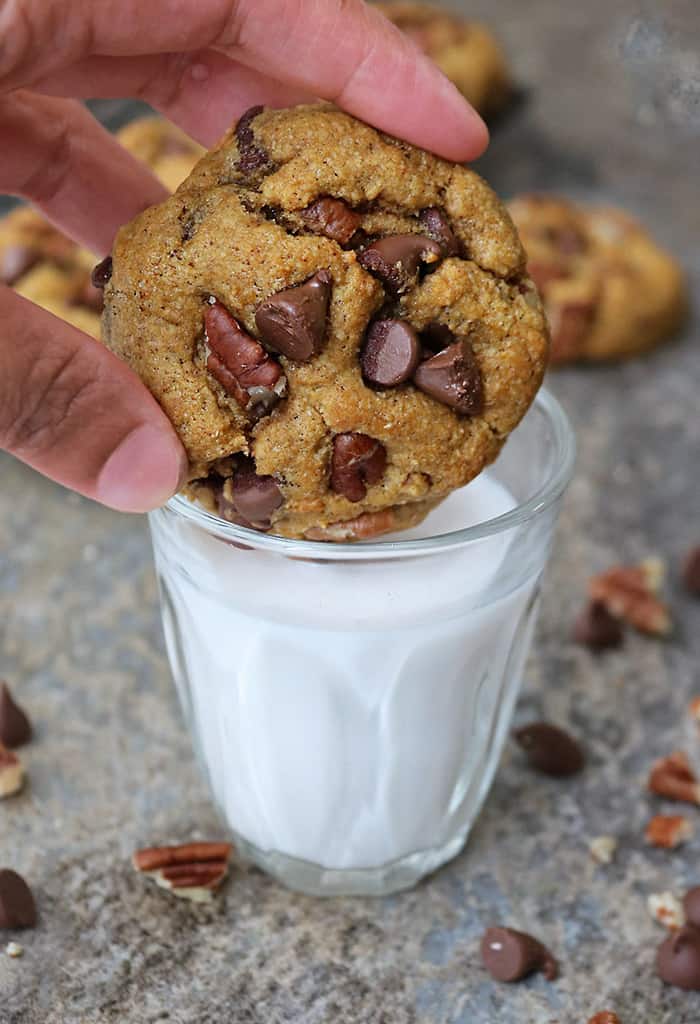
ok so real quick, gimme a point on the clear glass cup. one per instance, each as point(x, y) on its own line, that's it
point(348, 702)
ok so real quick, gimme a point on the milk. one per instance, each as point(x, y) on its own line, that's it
point(349, 714)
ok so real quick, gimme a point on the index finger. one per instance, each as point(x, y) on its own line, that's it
point(340, 50)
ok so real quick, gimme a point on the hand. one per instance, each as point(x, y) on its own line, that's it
point(68, 407)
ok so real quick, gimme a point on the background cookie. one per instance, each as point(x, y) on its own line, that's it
point(349, 312)
point(464, 50)
point(609, 290)
point(48, 268)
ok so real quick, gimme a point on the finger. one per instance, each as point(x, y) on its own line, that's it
point(58, 156)
point(80, 416)
point(204, 92)
point(341, 50)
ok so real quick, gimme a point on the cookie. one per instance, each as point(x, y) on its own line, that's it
point(336, 323)
point(46, 267)
point(609, 290)
point(465, 51)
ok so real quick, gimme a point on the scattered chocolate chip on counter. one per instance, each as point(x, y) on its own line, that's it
point(509, 955)
point(597, 629)
point(674, 778)
point(668, 830)
point(691, 906)
point(11, 773)
point(603, 849)
point(691, 572)
point(15, 727)
point(192, 871)
point(678, 958)
point(17, 906)
point(550, 750)
point(666, 909)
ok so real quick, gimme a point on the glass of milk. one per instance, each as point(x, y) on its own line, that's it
point(348, 702)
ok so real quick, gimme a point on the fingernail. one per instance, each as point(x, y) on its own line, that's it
point(143, 472)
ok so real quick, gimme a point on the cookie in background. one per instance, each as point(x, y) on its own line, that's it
point(48, 268)
point(609, 290)
point(465, 51)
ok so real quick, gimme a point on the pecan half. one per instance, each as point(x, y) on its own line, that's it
point(668, 830)
point(357, 460)
point(191, 871)
point(240, 364)
point(333, 218)
point(673, 778)
point(369, 524)
point(630, 593)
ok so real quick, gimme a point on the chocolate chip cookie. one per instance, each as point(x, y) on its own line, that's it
point(45, 266)
point(339, 325)
point(464, 50)
point(609, 290)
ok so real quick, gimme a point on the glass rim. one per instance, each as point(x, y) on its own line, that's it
point(545, 495)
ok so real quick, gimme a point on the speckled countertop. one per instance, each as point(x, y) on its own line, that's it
point(614, 112)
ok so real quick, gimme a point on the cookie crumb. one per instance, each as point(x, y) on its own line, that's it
point(603, 849)
point(14, 950)
point(666, 909)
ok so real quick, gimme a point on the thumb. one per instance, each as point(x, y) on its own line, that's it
point(76, 413)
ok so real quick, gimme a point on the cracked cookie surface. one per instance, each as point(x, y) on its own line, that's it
point(338, 324)
point(609, 290)
point(465, 51)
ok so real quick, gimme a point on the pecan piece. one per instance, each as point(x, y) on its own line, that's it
point(630, 593)
point(333, 218)
point(11, 773)
point(369, 524)
point(192, 871)
point(240, 364)
point(357, 460)
point(673, 778)
point(605, 1017)
point(668, 830)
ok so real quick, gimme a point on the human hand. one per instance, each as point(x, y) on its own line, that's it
point(68, 407)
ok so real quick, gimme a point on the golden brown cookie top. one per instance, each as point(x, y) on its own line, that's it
point(466, 51)
point(609, 290)
point(346, 315)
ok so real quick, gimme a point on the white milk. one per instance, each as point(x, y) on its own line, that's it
point(348, 714)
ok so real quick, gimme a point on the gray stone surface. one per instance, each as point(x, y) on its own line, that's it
point(613, 112)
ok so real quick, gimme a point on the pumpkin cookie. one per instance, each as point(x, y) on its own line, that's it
point(337, 324)
point(609, 290)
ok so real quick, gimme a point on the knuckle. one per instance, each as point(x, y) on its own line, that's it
point(47, 179)
point(166, 85)
point(17, 35)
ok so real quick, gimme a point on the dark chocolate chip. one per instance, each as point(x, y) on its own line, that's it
point(15, 261)
point(435, 223)
point(437, 337)
point(250, 499)
point(357, 460)
point(678, 958)
point(691, 572)
point(509, 955)
point(17, 907)
point(390, 354)
point(691, 905)
point(333, 218)
point(395, 259)
point(453, 378)
point(252, 157)
point(550, 750)
point(240, 363)
point(15, 728)
point(102, 273)
point(293, 322)
point(597, 629)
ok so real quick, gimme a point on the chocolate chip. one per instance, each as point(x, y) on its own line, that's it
point(691, 572)
point(597, 629)
point(240, 363)
point(357, 460)
point(509, 955)
point(102, 273)
point(15, 728)
point(395, 259)
point(453, 378)
point(15, 261)
point(17, 907)
point(678, 959)
point(252, 157)
point(293, 322)
point(691, 905)
point(249, 499)
point(550, 750)
point(435, 222)
point(390, 354)
point(333, 218)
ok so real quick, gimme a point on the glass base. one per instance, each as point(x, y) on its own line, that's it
point(315, 880)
